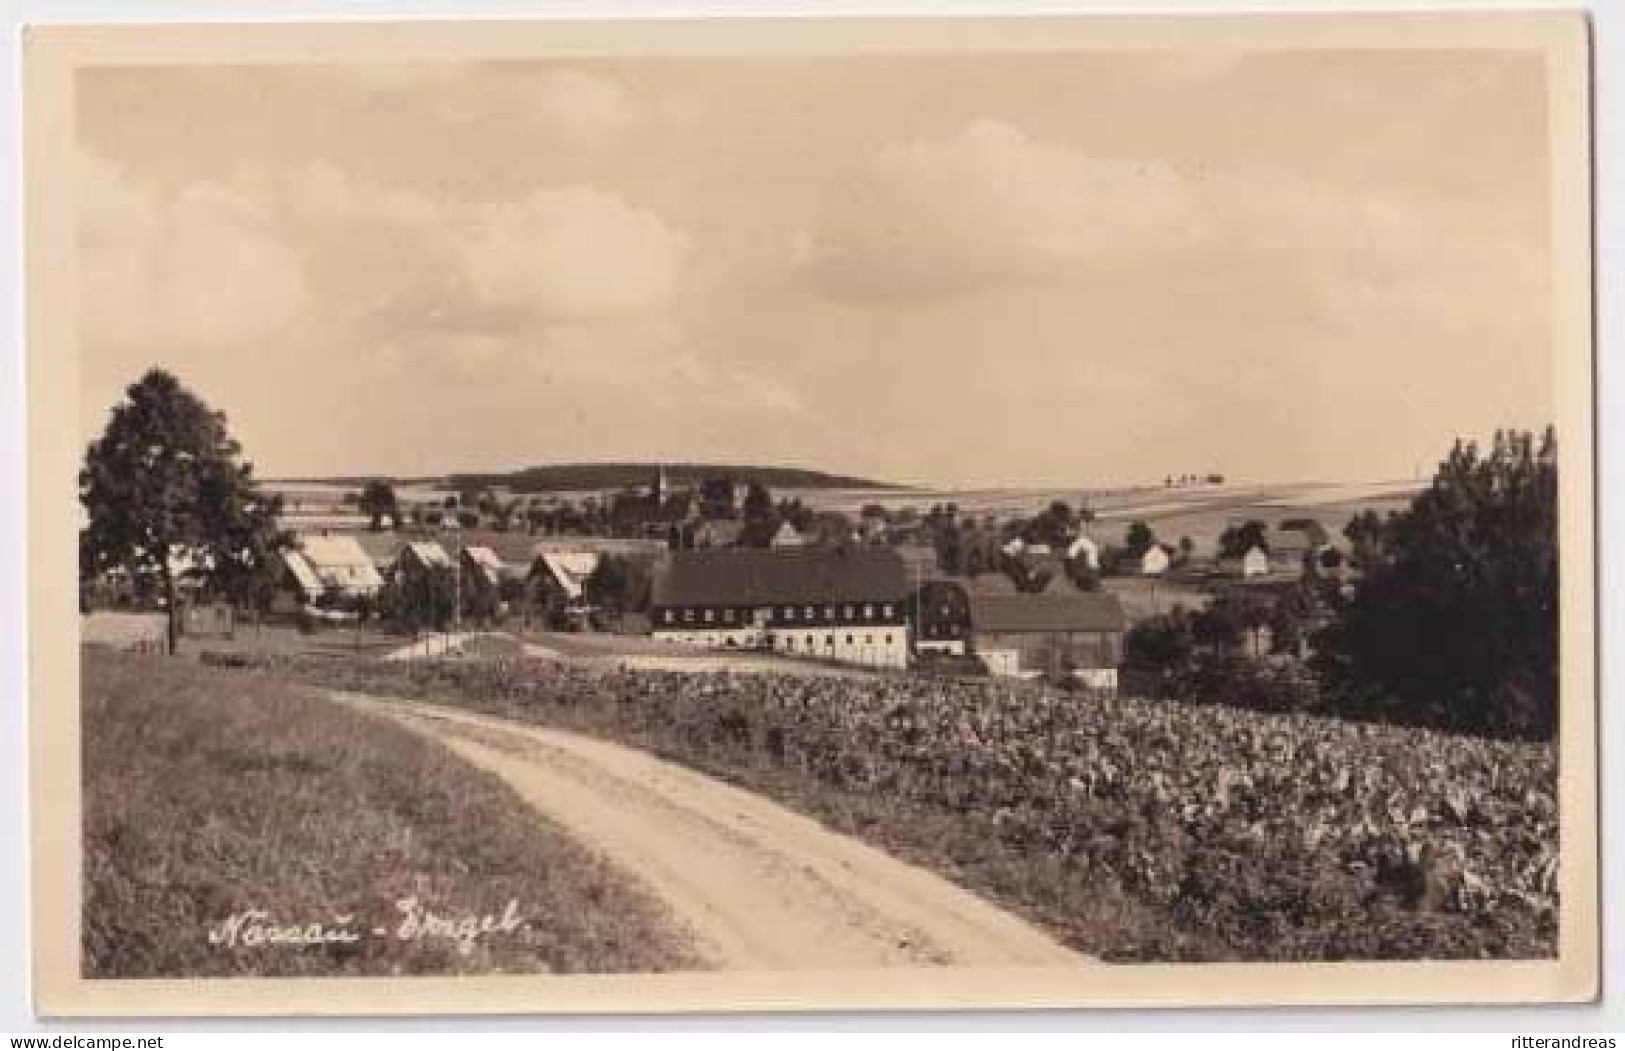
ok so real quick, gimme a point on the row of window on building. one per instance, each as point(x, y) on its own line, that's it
point(790, 643)
point(784, 614)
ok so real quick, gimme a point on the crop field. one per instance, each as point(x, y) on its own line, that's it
point(1135, 830)
point(1199, 512)
point(208, 793)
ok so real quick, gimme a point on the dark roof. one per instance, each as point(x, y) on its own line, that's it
point(722, 532)
point(756, 532)
point(1080, 611)
point(1289, 542)
point(752, 576)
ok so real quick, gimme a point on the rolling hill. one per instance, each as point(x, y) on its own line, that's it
point(578, 477)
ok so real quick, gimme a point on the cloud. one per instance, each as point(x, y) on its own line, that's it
point(989, 206)
point(571, 254)
point(557, 255)
point(200, 266)
point(642, 368)
point(586, 112)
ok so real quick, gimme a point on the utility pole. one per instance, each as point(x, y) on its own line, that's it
point(457, 580)
point(914, 616)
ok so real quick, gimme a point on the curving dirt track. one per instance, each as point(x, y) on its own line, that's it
point(761, 887)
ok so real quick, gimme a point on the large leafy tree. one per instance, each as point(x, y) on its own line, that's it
point(166, 492)
point(1237, 540)
point(378, 502)
point(1456, 620)
point(1137, 540)
point(758, 503)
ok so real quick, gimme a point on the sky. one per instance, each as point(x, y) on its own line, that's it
point(962, 270)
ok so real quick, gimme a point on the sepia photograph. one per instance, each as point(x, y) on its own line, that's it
point(904, 512)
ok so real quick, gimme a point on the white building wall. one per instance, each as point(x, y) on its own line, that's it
point(1103, 679)
point(871, 645)
point(1001, 662)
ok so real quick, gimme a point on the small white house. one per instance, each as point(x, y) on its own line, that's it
point(1155, 561)
point(1256, 562)
point(1085, 548)
point(787, 536)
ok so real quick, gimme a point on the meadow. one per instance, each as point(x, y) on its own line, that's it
point(208, 794)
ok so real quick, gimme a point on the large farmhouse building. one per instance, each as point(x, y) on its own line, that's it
point(846, 604)
point(1056, 636)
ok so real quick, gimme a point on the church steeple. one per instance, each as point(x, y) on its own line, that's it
point(659, 490)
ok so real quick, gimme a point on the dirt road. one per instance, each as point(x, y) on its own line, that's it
point(761, 887)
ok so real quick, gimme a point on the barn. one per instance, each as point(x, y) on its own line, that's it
point(1077, 635)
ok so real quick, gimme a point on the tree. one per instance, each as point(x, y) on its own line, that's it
point(1053, 526)
point(165, 484)
point(717, 497)
point(1367, 533)
point(1235, 615)
point(377, 501)
point(758, 503)
point(1138, 539)
point(1159, 652)
point(618, 584)
point(420, 599)
point(1457, 623)
point(949, 547)
point(1236, 541)
point(1084, 576)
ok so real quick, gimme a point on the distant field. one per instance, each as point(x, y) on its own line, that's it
point(208, 793)
point(1199, 512)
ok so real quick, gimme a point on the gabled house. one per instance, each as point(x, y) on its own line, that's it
point(560, 577)
point(1155, 561)
point(482, 568)
point(484, 575)
point(785, 536)
point(1086, 549)
point(1289, 548)
point(324, 568)
point(418, 559)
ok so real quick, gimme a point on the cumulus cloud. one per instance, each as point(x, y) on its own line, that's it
point(197, 266)
point(571, 254)
point(989, 205)
point(557, 255)
point(584, 111)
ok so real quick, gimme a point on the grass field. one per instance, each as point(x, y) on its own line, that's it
point(210, 793)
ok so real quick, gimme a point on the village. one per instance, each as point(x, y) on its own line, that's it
point(705, 566)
